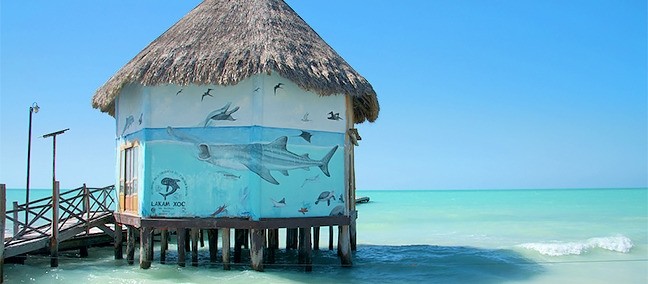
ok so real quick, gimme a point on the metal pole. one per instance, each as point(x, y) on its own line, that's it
point(31, 110)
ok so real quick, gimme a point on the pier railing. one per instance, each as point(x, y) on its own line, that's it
point(76, 207)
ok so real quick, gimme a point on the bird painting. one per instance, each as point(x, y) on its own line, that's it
point(305, 118)
point(277, 86)
point(179, 92)
point(334, 116)
point(206, 94)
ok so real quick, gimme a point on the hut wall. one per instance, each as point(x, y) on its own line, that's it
point(263, 148)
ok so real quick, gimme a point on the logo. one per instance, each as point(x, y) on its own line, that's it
point(169, 189)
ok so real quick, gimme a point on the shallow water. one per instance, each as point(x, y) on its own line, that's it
point(489, 236)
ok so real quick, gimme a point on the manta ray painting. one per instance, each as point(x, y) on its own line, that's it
point(257, 157)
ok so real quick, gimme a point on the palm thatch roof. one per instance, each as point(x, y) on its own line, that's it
point(223, 42)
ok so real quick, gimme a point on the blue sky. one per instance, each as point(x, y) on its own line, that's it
point(474, 94)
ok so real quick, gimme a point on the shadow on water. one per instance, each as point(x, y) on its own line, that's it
point(423, 264)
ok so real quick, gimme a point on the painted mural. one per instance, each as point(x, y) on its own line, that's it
point(260, 149)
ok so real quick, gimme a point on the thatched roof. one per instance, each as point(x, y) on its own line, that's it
point(223, 42)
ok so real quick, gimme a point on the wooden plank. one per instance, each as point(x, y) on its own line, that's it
point(239, 223)
point(226, 248)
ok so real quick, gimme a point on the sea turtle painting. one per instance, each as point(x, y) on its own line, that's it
point(326, 196)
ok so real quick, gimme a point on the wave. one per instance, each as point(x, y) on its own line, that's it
point(618, 243)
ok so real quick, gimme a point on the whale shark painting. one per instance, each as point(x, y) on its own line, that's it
point(257, 157)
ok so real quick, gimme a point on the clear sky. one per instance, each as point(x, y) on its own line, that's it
point(474, 94)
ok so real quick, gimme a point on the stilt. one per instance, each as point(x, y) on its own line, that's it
point(226, 248)
point(212, 240)
point(246, 238)
point(164, 245)
point(352, 232)
point(305, 254)
point(330, 238)
point(238, 242)
point(146, 238)
point(291, 238)
point(273, 244)
point(256, 248)
point(180, 234)
point(202, 238)
point(344, 246)
point(3, 211)
point(316, 234)
point(83, 252)
point(130, 244)
point(194, 246)
point(187, 239)
point(119, 241)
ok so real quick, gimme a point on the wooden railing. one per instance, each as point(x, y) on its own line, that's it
point(76, 207)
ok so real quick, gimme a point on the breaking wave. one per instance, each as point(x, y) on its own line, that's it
point(618, 243)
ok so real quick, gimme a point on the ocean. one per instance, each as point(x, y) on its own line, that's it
point(440, 236)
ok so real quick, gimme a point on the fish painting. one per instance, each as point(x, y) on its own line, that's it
point(229, 175)
point(326, 196)
point(243, 194)
point(129, 121)
point(310, 180)
point(334, 116)
point(169, 182)
point(220, 210)
point(337, 211)
point(278, 204)
point(305, 135)
point(221, 114)
point(257, 157)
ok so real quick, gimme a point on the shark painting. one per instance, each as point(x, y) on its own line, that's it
point(258, 158)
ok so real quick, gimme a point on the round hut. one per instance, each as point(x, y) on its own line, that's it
point(239, 117)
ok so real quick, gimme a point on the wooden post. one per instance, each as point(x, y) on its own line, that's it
point(238, 242)
point(83, 251)
point(291, 238)
point(16, 228)
point(344, 245)
point(3, 216)
point(316, 234)
point(273, 244)
point(55, 232)
point(164, 245)
point(146, 238)
point(352, 231)
point(256, 248)
point(130, 244)
point(187, 239)
point(212, 241)
point(305, 254)
point(119, 240)
point(226, 248)
point(330, 238)
point(246, 238)
point(201, 237)
point(180, 234)
point(194, 246)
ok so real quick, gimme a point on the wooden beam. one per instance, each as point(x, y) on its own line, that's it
point(330, 245)
point(226, 248)
point(344, 246)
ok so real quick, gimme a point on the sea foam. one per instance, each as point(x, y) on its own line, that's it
point(618, 243)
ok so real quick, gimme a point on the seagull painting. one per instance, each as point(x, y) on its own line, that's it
point(206, 94)
point(277, 86)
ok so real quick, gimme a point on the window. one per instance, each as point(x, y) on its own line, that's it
point(128, 175)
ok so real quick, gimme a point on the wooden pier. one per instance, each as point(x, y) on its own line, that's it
point(83, 217)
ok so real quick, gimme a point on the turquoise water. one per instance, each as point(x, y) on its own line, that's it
point(477, 236)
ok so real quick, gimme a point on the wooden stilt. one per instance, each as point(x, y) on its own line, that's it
point(187, 239)
point(212, 240)
point(344, 244)
point(305, 251)
point(3, 218)
point(246, 238)
point(130, 244)
point(256, 248)
point(316, 235)
point(194, 246)
point(238, 242)
point(55, 228)
point(226, 248)
point(202, 238)
point(164, 245)
point(146, 238)
point(291, 238)
point(330, 246)
point(180, 234)
point(352, 232)
point(119, 241)
point(83, 252)
point(273, 244)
